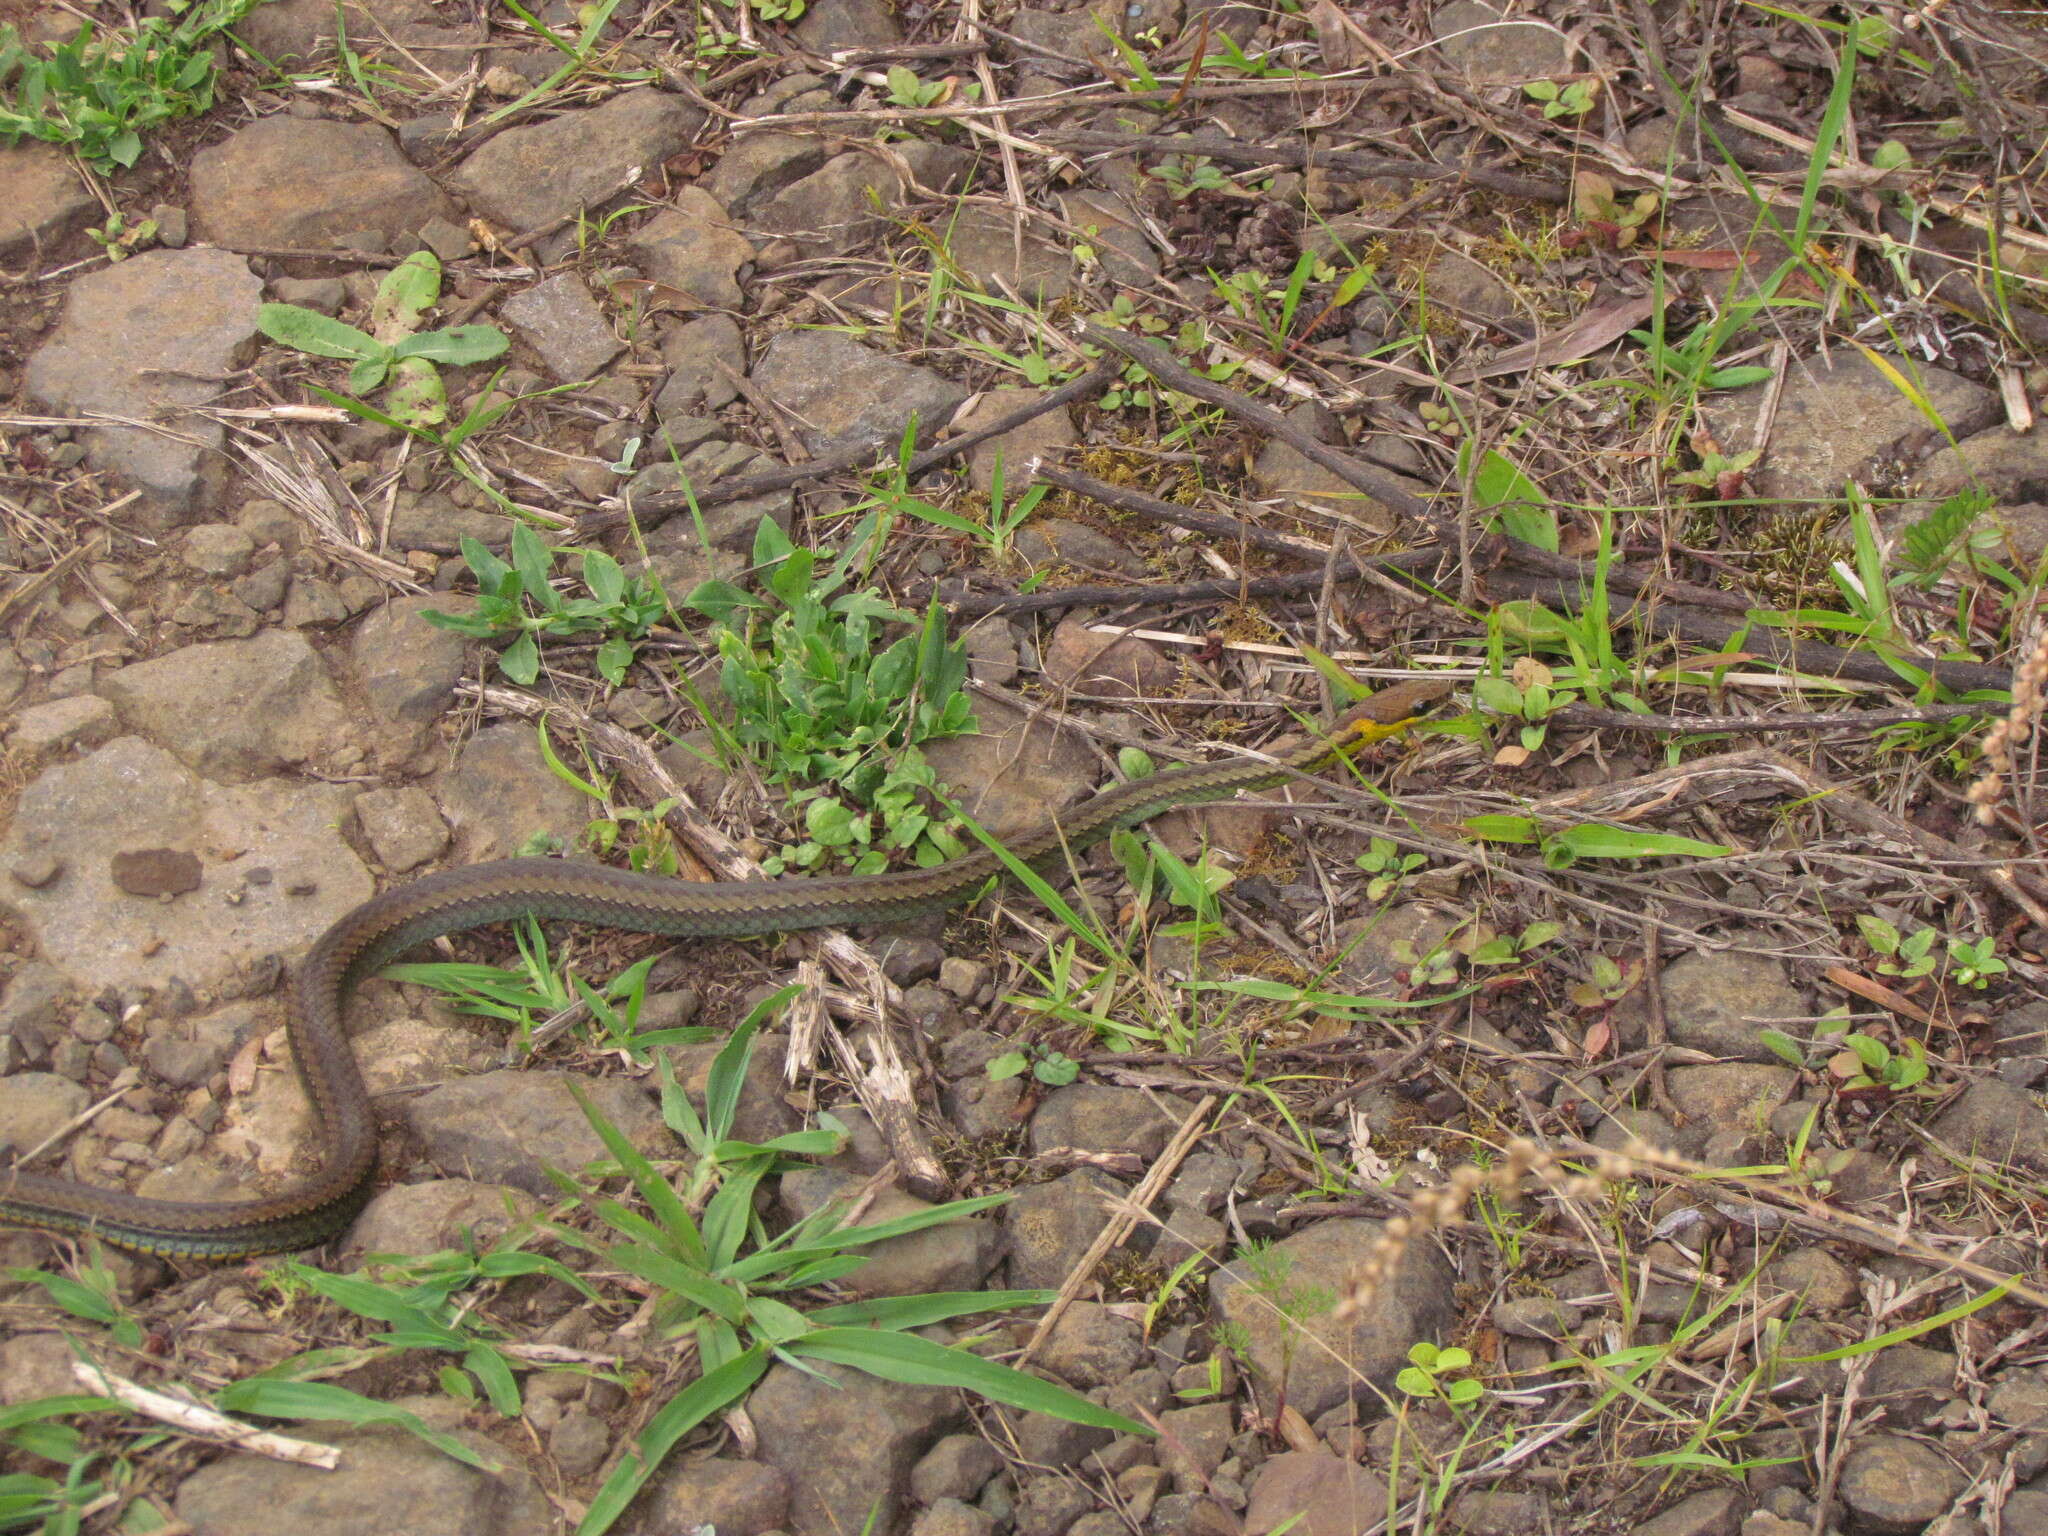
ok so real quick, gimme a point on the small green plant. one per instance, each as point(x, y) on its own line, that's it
point(1049, 1066)
point(1528, 693)
point(719, 1279)
point(1904, 956)
point(1608, 218)
point(93, 1297)
point(398, 350)
point(1432, 1373)
point(520, 599)
point(1590, 840)
point(826, 708)
point(1955, 529)
point(1440, 419)
point(996, 535)
point(1185, 175)
point(100, 92)
point(1610, 981)
point(120, 239)
point(1511, 948)
point(36, 1501)
point(1573, 99)
point(1973, 962)
point(539, 992)
point(1389, 867)
point(1858, 1062)
point(907, 90)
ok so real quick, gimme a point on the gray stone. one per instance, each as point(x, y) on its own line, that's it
point(276, 869)
point(403, 826)
point(501, 792)
point(576, 161)
point(698, 354)
point(693, 247)
point(559, 320)
point(217, 549)
point(1993, 1119)
point(1091, 1346)
point(418, 1219)
point(1718, 1002)
point(955, 1468)
point(198, 310)
point(185, 1052)
point(733, 1498)
point(1710, 1512)
point(1894, 1486)
point(834, 208)
point(953, 1256)
point(1474, 39)
point(1284, 1306)
point(409, 668)
point(234, 709)
point(1094, 1117)
point(61, 727)
point(34, 1106)
point(847, 1442)
point(1322, 1495)
point(1052, 1224)
point(510, 1127)
point(387, 1481)
point(41, 201)
point(843, 392)
point(289, 181)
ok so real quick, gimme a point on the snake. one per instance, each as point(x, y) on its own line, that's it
point(375, 933)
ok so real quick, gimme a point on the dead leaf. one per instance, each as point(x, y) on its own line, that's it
point(1598, 1039)
point(1593, 330)
point(1511, 757)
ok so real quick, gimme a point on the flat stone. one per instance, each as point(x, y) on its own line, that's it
point(576, 161)
point(733, 1498)
point(62, 726)
point(300, 29)
point(34, 1106)
point(275, 870)
point(1894, 1485)
point(155, 871)
point(501, 792)
point(1474, 39)
point(403, 825)
point(41, 200)
point(290, 181)
point(235, 709)
point(1995, 1120)
point(1719, 1002)
point(418, 1219)
point(510, 1127)
point(1294, 1344)
point(198, 309)
point(387, 1481)
point(694, 248)
point(562, 322)
point(1320, 1494)
point(694, 352)
point(847, 1441)
point(954, 1256)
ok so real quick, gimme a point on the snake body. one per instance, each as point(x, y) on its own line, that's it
point(372, 935)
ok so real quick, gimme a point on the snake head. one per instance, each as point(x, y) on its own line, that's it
point(1387, 713)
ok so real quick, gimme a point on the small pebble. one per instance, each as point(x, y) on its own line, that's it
point(37, 870)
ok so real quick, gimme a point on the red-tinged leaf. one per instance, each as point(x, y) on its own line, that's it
point(1598, 1039)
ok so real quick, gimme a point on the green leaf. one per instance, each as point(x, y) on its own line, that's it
point(1782, 1045)
point(459, 346)
point(1502, 829)
point(1007, 1065)
point(319, 1400)
point(307, 330)
point(520, 660)
point(1596, 840)
point(916, 1361)
point(535, 563)
point(605, 577)
point(710, 1393)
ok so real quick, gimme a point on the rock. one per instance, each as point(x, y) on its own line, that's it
point(300, 29)
point(403, 826)
point(234, 709)
point(1913, 1381)
point(1194, 1441)
point(1049, 1506)
point(1710, 999)
point(558, 318)
point(60, 728)
point(704, 356)
point(1499, 1511)
point(1016, 772)
point(1119, 238)
point(387, 1481)
point(1318, 1493)
point(1284, 471)
point(1474, 40)
point(417, 1219)
point(579, 1443)
point(1821, 1281)
point(1894, 1486)
point(1535, 1317)
point(408, 667)
point(1995, 1120)
point(693, 246)
point(510, 1127)
point(1710, 1512)
point(1837, 419)
point(1106, 666)
point(576, 161)
point(953, 1256)
point(275, 869)
point(1045, 434)
point(31, 1012)
point(186, 1052)
point(733, 1498)
point(1728, 1093)
point(154, 871)
point(845, 393)
point(41, 201)
point(198, 309)
point(756, 167)
point(950, 1517)
point(1335, 1360)
point(760, 1113)
point(1092, 1117)
point(847, 1442)
point(501, 792)
point(1052, 1224)
point(847, 199)
point(1091, 1346)
point(217, 549)
point(290, 181)
point(34, 1106)
point(984, 242)
point(35, 1365)
point(956, 1468)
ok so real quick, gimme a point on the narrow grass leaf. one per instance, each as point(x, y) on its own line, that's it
point(918, 1362)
